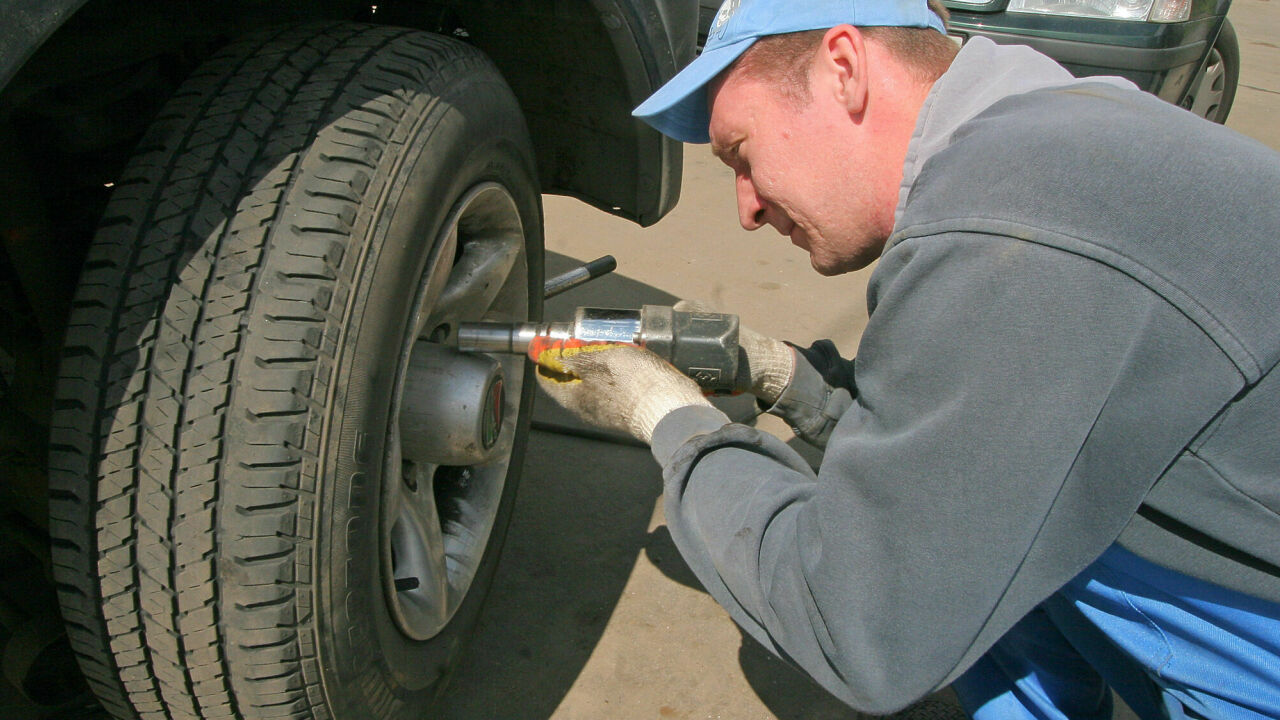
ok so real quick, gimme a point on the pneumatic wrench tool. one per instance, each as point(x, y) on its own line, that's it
point(702, 345)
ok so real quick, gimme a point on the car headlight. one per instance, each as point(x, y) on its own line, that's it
point(1140, 10)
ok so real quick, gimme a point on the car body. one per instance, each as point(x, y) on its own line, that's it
point(1178, 61)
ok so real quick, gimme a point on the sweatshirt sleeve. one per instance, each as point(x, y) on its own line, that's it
point(821, 390)
point(1014, 403)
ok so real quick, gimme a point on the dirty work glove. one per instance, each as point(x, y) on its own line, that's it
point(765, 365)
point(613, 385)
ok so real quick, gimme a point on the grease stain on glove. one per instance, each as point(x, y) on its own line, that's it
point(613, 385)
point(549, 355)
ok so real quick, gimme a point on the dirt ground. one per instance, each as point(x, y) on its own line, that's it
point(594, 615)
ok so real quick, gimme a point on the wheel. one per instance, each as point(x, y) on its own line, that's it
point(1214, 88)
point(276, 491)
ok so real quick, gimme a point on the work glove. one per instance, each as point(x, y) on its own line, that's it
point(613, 385)
point(765, 365)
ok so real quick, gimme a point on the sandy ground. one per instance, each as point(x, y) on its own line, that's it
point(593, 614)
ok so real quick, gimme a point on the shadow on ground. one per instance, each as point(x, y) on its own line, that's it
point(570, 550)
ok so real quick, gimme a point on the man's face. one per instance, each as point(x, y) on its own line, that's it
point(797, 167)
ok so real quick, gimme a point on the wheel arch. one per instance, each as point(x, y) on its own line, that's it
point(578, 68)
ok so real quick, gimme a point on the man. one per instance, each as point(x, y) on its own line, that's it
point(1051, 470)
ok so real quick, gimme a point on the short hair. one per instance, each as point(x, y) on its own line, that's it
point(786, 58)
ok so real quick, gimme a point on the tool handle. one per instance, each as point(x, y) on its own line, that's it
point(575, 277)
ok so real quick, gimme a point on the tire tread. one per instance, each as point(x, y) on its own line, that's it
point(197, 364)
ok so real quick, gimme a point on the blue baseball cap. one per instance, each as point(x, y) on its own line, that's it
point(679, 108)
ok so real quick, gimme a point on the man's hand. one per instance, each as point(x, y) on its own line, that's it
point(613, 385)
point(765, 365)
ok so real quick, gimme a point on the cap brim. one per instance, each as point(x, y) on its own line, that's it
point(679, 108)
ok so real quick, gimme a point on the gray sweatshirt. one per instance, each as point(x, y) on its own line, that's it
point(1070, 344)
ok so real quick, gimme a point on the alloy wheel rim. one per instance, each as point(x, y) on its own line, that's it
point(453, 415)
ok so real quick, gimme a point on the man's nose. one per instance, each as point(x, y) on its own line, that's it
point(750, 206)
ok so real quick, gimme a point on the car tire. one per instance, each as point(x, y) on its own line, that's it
point(272, 492)
point(1214, 88)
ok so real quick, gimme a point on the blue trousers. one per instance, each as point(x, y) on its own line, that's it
point(1169, 645)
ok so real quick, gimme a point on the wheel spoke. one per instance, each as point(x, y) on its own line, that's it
point(1209, 88)
point(476, 279)
point(422, 504)
point(421, 577)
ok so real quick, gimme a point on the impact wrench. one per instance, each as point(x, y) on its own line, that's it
point(702, 345)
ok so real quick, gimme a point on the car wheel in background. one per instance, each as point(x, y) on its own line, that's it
point(1214, 88)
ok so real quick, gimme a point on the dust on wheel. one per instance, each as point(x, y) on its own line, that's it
point(276, 490)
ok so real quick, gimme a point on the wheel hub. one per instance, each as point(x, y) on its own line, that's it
point(452, 406)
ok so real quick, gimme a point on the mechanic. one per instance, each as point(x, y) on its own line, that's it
point(1051, 470)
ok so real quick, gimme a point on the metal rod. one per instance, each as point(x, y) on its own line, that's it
point(508, 337)
point(575, 277)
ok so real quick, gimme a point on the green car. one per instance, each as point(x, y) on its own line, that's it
point(1183, 51)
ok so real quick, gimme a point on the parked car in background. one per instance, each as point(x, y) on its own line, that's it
point(1183, 51)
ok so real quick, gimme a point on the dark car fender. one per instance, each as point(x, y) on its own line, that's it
point(578, 67)
point(24, 25)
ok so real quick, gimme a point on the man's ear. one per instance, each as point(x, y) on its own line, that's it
point(841, 67)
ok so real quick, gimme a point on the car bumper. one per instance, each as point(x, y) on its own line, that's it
point(1162, 59)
